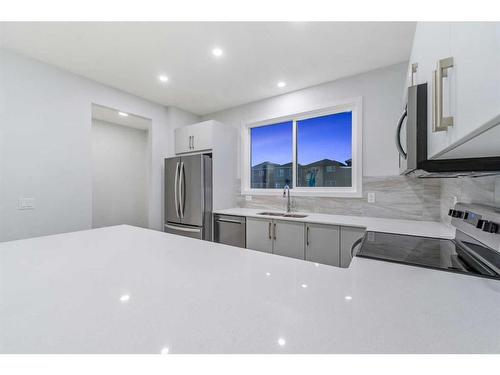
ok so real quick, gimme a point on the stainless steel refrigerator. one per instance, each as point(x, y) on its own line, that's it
point(188, 196)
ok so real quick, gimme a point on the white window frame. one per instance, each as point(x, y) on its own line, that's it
point(355, 191)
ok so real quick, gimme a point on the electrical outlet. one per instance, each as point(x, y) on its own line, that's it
point(26, 204)
point(248, 197)
point(371, 197)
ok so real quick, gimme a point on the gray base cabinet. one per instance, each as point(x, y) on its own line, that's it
point(319, 243)
point(322, 244)
point(288, 239)
point(259, 235)
point(348, 235)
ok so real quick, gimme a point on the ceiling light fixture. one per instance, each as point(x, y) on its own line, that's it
point(217, 52)
point(163, 78)
point(281, 84)
point(123, 114)
point(124, 298)
point(281, 342)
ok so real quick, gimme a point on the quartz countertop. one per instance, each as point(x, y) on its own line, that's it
point(125, 289)
point(411, 227)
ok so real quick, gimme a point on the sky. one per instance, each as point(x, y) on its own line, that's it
point(325, 137)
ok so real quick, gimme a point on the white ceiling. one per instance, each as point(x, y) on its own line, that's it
point(111, 115)
point(130, 56)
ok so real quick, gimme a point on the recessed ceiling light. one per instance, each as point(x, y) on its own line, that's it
point(348, 298)
point(281, 84)
point(165, 350)
point(124, 298)
point(123, 114)
point(281, 342)
point(217, 52)
point(163, 78)
point(304, 285)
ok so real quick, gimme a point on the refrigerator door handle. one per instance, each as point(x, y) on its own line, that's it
point(183, 229)
point(181, 187)
point(175, 189)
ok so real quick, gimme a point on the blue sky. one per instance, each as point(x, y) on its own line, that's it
point(325, 137)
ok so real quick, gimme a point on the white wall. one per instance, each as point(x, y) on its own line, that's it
point(45, 149)
point(382, 106)
point(119, 175)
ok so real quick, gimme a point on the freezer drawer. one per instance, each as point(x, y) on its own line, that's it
point(230, 230)
point(184, 230)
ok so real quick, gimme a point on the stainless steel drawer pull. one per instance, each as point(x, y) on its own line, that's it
point(439, 122)
point(228, 221)
point(274, 231)
point(269, 231)
point(307, 236)
point(183, 229)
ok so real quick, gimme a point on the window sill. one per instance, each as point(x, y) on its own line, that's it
point(347, 193)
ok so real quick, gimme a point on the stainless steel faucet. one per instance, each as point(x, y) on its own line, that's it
point(286, 193)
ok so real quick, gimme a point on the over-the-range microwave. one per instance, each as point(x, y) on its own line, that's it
point(411, 142)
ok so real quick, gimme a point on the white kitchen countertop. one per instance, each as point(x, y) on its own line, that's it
point(62, 294)
point(411, 227)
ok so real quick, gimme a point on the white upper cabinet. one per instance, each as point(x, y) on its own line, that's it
point(471, 89)
point(194, 138)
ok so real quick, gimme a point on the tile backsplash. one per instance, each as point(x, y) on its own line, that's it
point(396, 197)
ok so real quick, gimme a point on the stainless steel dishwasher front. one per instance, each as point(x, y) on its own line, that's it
point(230, 230)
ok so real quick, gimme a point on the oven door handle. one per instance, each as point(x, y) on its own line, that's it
point(356, 243)
point(398, 133)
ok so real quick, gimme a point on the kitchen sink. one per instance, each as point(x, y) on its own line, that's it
point(282, 214)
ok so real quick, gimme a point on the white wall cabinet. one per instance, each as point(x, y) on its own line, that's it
point(471, 92)
point(288, 239)
point(194, 138)
point(348, 235)
point(322, 244)
point(259, 234)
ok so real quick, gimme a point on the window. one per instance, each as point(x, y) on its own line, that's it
point(324, 144)
point(271, 149)
point(315, 153)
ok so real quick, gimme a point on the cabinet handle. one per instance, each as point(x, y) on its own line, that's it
point(274, 231)
point(307, 236)
point(439, 122)
point(193, 140)
point(269, 231)
point(190, 142)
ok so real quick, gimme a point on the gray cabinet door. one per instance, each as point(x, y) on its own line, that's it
point(323, 244)
point(259, 235)
point(288, 239)
point(348, 235)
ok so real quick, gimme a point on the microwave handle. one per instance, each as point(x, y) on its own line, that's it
point(398, 133)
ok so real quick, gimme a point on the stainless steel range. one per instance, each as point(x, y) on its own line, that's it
point(474, 251)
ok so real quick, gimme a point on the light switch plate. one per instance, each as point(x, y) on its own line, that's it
point(371, 197)
point(26, 203)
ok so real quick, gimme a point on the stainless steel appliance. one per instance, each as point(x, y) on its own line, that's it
point(474, 251)
point(411, 143)
point(188, 196)
point(230, 230)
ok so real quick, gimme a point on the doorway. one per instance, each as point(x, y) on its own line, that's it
point(120, 168)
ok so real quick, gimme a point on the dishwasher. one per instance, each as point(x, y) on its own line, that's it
point(230, 230)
